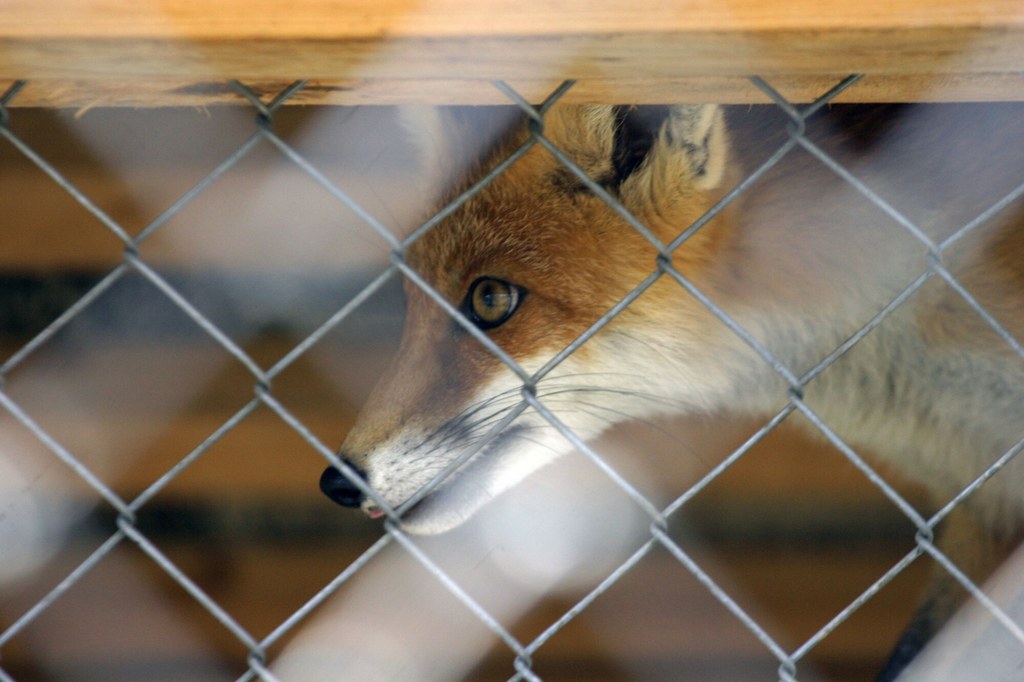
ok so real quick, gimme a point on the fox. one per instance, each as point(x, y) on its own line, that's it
point(651, 306)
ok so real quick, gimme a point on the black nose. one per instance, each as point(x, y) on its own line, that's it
point(336, 486)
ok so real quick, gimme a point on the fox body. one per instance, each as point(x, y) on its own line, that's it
point(800, 261)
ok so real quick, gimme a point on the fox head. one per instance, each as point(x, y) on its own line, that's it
point(532, 261)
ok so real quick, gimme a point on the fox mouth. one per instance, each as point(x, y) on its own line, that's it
point(453, 501)
point(373, 511)
point(467, 489)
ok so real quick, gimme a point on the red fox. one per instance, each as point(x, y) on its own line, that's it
point(800, 262)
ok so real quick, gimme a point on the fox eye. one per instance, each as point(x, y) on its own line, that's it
point(490, 301)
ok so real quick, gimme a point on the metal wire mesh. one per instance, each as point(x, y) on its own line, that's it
point(125, 530)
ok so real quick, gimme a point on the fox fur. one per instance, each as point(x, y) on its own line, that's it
point(800, 261)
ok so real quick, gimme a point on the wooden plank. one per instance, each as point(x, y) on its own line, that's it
point(85, 95)
point(341, 19)
point(457, 44)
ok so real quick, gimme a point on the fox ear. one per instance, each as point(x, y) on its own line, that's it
point(427, 130)
point(682, 143)
point(636, 131)
point(697, 133)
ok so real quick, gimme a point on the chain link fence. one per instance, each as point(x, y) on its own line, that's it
point(123, 529)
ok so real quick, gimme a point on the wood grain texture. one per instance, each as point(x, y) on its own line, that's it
point(339, 19)
point(84, 95)
point(398, 50)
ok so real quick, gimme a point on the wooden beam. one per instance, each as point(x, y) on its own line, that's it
point(87, 94)
point(108, 51)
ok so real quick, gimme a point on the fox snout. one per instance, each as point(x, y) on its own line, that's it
point(339, 488)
